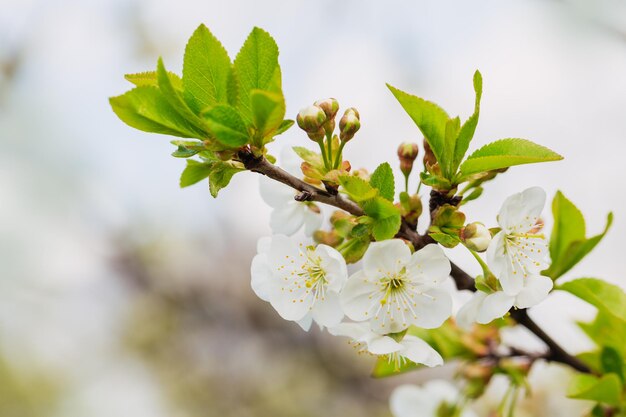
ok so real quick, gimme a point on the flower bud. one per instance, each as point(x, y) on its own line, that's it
point(331, 238)
point(317, 135)
point(476, 236)
point(330, 107)
point(310, 119)
point(349, 124)
point(407, 152)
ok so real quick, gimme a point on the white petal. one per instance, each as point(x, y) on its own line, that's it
point(355, 331)
point(290, 161)
point(262, 280)
point(494, 306)
point(520, 211)
point(263, 244)
point(274, 193)
point(334, 266)
point(358, 297)
point(433, 308)
point(442, 390)
point(291, 305)
point(312, 220)
point(419, 351)
point(288, 218)
point(511, 278)
point(536, 289)
point(412, 401)
point(306, 322)
point(386, 257)
point(468, 314)
point(327, 311)
point(382, 345)
point(496, 257)
point(282, 251)
point(429, 266)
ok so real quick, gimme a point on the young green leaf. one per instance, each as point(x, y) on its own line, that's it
point(606, 389)
point(256, 68)
point(308, 155)
point(469, 127)
point(146, 108)
point(504, 153)
point(220, 175)
point(268, 111)
point(606, 330)
point(612, 362)
point(150, 78)
point(175, 99)
point(357, 188)
point(569, 225)
point(452, 132)
point(601, 294)
point(382, 179)
point(570, 251)
point(429, 118)
point(194, 172)
point(386, 217)
point(284, 126)
point(227, 126)
point(206, 71)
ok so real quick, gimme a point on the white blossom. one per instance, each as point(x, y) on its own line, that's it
point(409, 348)
point(518, 251)
point(426, 400)
point(288, 215)
point(396, 289)
point(301, 282)
point(483, 308)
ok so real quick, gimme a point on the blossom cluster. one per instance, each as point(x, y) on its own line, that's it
point(395, 288)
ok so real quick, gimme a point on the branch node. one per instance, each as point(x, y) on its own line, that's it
point(303, 196)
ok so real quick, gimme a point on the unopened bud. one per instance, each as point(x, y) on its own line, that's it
point(349, 124)
point(330, 107)
point(327, 238)
point(311, 118)
point(407, 152)
point(476, 236)
point(338, 215)
point(317, 135)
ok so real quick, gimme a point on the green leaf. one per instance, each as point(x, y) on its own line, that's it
point(575, 251)
point(446, 240)
point(175, 98)
point(382, 179)
point(308, 155)
point(504, 153)
point(150, 78)
point(606, 330)
point(268, 111)
point(206, 71)
point(569, 225)
point(284, 126)
point(386, 217)
point(476, 192)
point(448, 217)
point(257, 68)
point(226, 125)
point(194, 172)
point(146, 108)
point(601, 294)
point(607, 389)
point(612, 362)
point(452, 131)
point(357, 188)
point(429, 118)
point(220, 175)
point(354, 249)
point(469, 127)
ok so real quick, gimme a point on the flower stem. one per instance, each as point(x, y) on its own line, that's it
point(339, 155)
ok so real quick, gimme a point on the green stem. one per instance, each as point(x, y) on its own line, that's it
point(483, 265)
point(406, 183)
point(420, 183)
point(329, 140)
point(339, 155)
point(321, 144)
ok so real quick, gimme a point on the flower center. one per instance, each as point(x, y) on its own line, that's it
point(392, 283)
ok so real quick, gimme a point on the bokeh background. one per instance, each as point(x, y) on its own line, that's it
point(123, 295)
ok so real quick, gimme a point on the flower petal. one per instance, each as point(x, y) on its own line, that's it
point(334, 266)
point(386, 257)
point(494, 306)
point(468, 314)
point(327, 310)
point(429, 266)
point(358, 297)
point(520, 211)
point(312, 220)
point(288, 218)
point(419, 351)
point(536, 289)
point(305, 323)
point(382, 345)
point(433, 308)
point(412, 401)
point(274, 193)
point(262, 280)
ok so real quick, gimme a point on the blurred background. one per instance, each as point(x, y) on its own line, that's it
point(123, 295)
